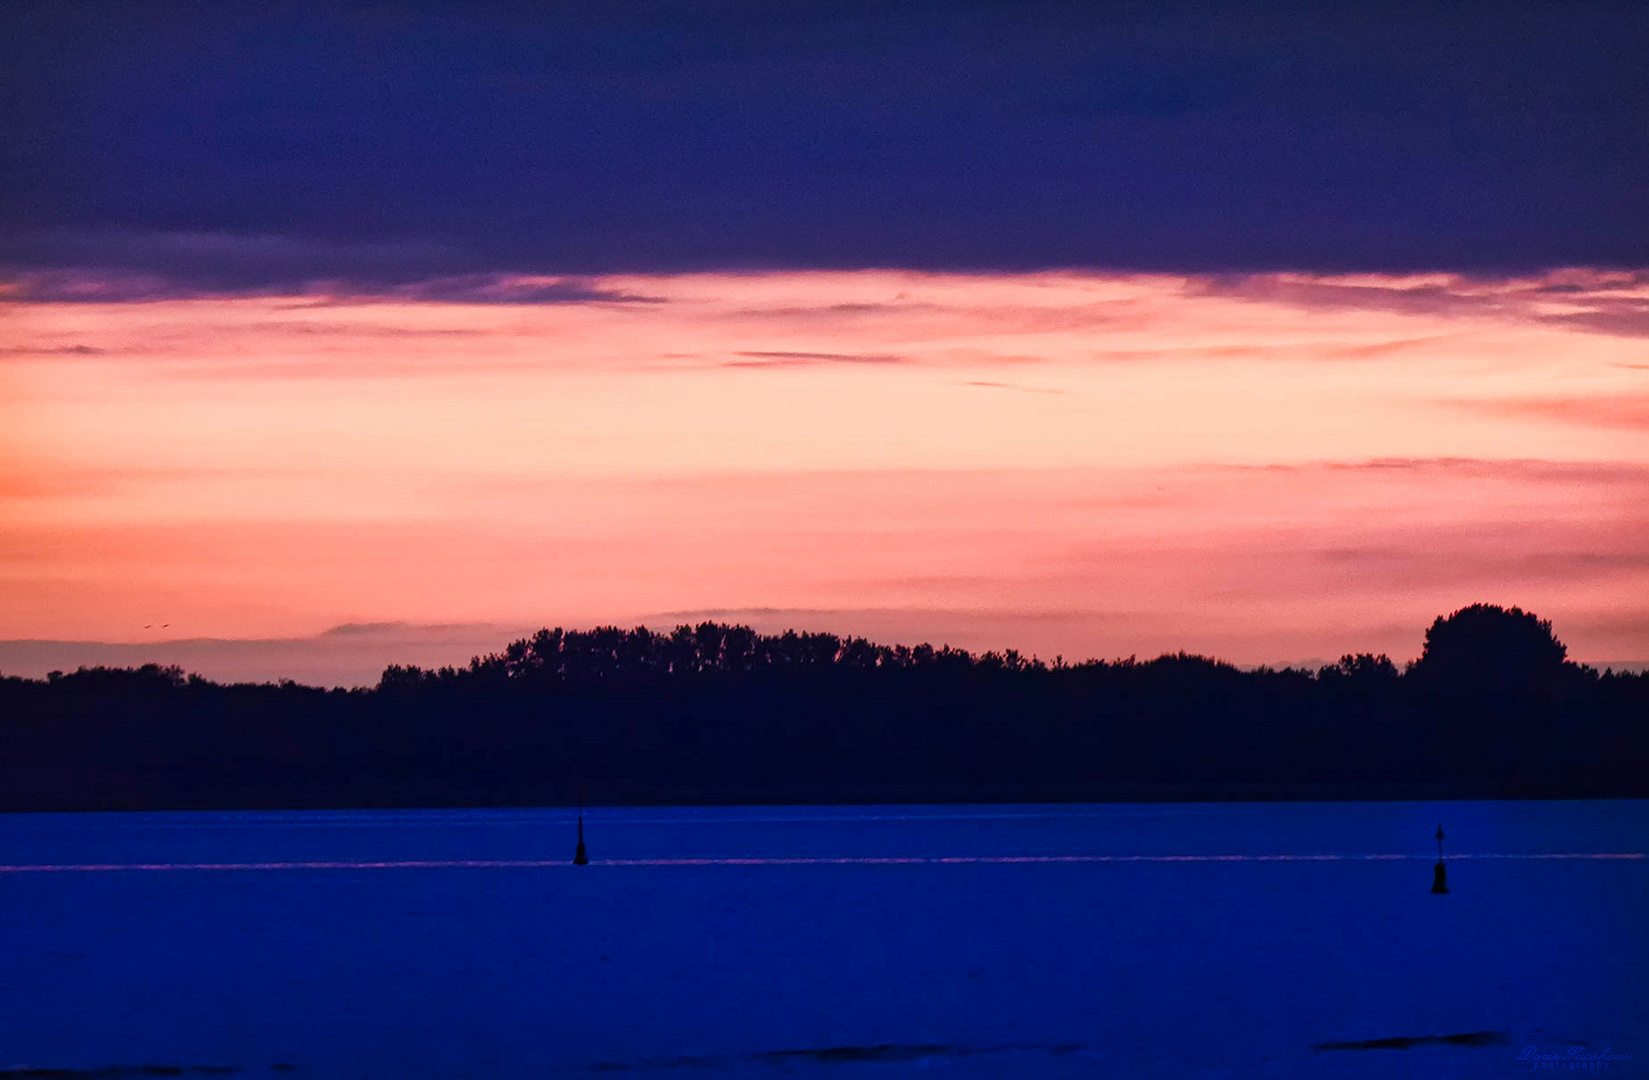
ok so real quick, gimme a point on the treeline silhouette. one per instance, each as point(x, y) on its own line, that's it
point(717, 713)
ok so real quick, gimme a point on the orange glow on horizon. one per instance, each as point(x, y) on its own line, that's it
point(1268, 468)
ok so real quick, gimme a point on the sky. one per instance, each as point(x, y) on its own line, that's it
point(391, 332)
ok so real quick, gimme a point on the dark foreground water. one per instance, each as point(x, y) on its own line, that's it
point(1288, 940)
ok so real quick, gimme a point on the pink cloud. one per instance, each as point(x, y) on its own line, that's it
point(1181, 463)
point(1628, 411)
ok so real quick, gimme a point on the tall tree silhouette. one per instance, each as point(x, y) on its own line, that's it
point(1488, 647)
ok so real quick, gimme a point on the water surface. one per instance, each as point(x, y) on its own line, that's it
point(1135, 940)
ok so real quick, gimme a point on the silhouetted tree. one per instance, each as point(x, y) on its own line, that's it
point(1362, 669)
point(1485, 647)
point(721, 713)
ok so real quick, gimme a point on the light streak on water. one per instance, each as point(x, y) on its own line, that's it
point(895, 860)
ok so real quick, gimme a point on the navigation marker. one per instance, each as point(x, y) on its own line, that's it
point(1439, 877)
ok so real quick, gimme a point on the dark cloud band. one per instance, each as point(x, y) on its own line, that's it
point(363, 143)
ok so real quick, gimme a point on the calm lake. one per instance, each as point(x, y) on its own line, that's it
point(1205, 940)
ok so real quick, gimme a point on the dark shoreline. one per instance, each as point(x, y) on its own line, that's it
point(621, 796)
point(720, 715)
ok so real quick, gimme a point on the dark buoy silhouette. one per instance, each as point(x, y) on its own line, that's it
point(1439, 876)
point(581, 858)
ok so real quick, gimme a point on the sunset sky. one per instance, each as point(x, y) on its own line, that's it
point(369, 337)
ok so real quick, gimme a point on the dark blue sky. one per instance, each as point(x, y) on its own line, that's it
point(396, 142)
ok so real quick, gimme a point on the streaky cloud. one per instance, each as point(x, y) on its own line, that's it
point(511, 289)
point(1628, 412)
point(1533, 469)
point(51, 350)
point(1609, 302)
point(988, 384)
point(776, 358)
point(95, 286)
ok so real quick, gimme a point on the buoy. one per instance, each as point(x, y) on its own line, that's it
point(1439, 876)
point(580, 857)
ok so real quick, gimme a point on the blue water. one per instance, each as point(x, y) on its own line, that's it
point(1205, 940)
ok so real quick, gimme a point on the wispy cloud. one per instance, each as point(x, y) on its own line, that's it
point(127, 265)
point(1614, 303)
point(500, 289)
point(1481, 554)
point(51, 350)
point(1630, 319)
point(776, 358)
point(1520, 469)
point(1014, 386)
point(1629, 412)
point(91, 286)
